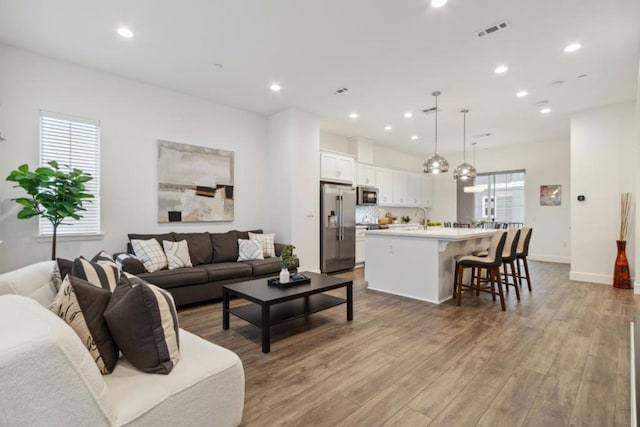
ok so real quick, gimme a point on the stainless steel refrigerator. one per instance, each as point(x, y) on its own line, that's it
point(337, 227)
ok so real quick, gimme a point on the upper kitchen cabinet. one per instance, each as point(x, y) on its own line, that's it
point(414, 189)
point(366, 175)
point(399, 188)
point(384, 182)
point(334, 167)
point(427, 191)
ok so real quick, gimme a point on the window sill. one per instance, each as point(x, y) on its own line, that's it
point(71, 238)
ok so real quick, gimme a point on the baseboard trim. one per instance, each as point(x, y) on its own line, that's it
point(603, 279)
point(636, 287)
point(550, 258)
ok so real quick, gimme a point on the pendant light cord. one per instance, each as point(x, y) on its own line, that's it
point(464, 137)
point(436, 152)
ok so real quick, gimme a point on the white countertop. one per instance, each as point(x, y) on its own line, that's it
point(449, 234)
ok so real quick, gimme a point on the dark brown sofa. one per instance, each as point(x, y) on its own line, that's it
point(214, 258)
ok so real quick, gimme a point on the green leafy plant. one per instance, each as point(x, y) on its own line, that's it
point(434, 224)
point(53, 193)
point(406, 219)
point(287, 258)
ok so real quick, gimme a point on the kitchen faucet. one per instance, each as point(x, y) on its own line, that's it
point(425, 216)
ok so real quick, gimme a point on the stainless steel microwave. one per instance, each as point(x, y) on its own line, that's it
point(367, 196)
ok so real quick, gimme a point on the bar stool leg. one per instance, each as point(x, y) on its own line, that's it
point(493, 289)
point(504, 269)
point(459, 285)
point(515, 282)
point(496, 272)
point(519, 272)
point(526, 269)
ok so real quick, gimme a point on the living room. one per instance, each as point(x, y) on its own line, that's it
point(179, 79)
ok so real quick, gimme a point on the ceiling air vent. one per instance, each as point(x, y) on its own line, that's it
point(504, 24)
point(429, 110)
point(340, 91)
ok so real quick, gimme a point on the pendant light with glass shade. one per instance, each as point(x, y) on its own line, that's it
point(436, 163)
point(475, 188)
point(465, 171)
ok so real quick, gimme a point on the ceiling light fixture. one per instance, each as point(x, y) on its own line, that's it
point(501, 69)
point(388, 128)
point(474, 188)
point(465, 171)
point(436, 163)
point(438, 3)
point(125, 32)
point(275, 87)
point(573, 47)
point(353, 115)
point(414, 137)
point(545, 110)
point(522, 94)
point(408, 115)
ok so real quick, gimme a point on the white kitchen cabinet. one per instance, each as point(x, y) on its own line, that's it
point(399, 188)
point(384, 181)
point(414, 189)
point(427, 191)
point(366, 175)
point(360, 244)
point(334, 167)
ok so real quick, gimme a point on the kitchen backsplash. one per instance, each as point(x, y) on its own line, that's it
point(374, 212)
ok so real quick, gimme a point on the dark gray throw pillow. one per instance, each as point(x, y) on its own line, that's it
point(143, 321)
point(103, 275)
point(200, 249)
point(225, 246)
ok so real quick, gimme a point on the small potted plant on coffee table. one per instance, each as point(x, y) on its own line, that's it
point(287, 259)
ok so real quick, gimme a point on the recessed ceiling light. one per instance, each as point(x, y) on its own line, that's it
point(414, 137)
point(438, 3)
point(408, 115)
point(501, 69)
point(572, 47)
point(388, 127)
point(353, 115)
point(125, 32)
point(275, 87)
point(545, 110)
point(522, 94)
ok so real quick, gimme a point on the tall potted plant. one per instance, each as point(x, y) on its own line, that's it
point(53, 193)
point(621, 274)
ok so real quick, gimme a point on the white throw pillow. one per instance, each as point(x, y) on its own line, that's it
point(249, 250)
point(150, 253)
point(268, 243)
point(177, 254)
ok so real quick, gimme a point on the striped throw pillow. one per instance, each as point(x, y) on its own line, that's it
point(249, 250)
point(177, 254)
point(267, 241)
point(150, 253)
point(144, 323)
point(104, 258)
point(104, 276)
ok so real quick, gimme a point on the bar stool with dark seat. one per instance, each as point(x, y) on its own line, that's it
point(521, 255)
point(509, 258)
point(490, 263)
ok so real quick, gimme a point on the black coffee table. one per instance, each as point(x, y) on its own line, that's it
point(273, 305)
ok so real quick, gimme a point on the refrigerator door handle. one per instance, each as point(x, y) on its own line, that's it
point(341, 218)
point(339, 212)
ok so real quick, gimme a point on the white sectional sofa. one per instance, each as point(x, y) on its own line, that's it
point(47, 376)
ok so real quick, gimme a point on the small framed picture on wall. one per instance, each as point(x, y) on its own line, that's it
point(550, 195)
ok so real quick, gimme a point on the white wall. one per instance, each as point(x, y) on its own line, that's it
point(334, 142)
point(604, 163)
point(294, 161)
point(133, 117)
point(545, 163)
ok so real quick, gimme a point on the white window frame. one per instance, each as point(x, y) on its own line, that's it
point(83, 227)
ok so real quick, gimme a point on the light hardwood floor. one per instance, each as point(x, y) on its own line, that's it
point(559, 357)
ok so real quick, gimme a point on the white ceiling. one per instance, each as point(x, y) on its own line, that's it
point(391, 54)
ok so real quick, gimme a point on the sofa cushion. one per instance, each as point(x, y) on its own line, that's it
point(179, 277)
point(177, 254)
point(130, 263)
point(81, 305)
point(225, 246)
point(207, 385)
point(102, 275)
point(227, 270)
point(158, 237)
point(200, 248)
point(267, 266)
point(245, 234)
point(144, 323)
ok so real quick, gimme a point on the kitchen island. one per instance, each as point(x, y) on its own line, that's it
point(419, 264)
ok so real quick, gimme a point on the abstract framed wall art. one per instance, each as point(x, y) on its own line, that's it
point(550, 195)
point(195, 184)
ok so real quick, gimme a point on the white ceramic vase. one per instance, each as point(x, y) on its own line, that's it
point(284, 275)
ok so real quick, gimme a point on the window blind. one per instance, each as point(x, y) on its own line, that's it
point(73, 142)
